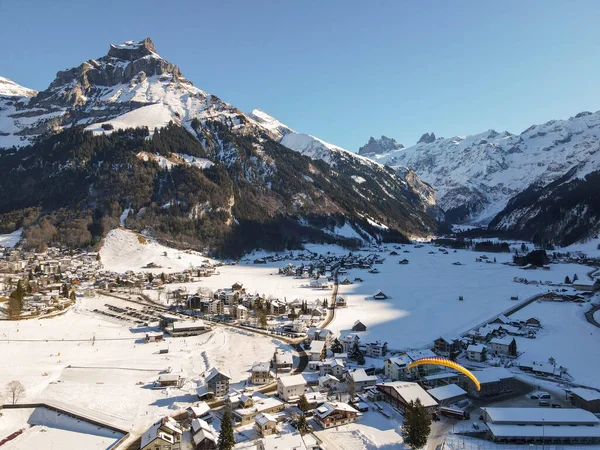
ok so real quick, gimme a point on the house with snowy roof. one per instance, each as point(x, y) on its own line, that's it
point(203, 436)
point(164, 434)
point(333, 414)
point(399, 394)
point(217, 381)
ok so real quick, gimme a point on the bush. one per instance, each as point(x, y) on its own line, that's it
point(107, 126)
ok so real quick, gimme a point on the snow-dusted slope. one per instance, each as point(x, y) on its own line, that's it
point(475, 176)
point(12, 96)
point(9, 88)
point(357, 166)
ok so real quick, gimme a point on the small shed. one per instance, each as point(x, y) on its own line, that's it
point(380, 295)
point(359, 326)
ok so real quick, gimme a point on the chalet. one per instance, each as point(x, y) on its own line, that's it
point(325, 335)
point(403, 262)
point(359, 380)
point(200, 411)
point(168, 380)
point(396, 368)
point(291, 387)
point(217, 382)
point(476, 352)
point(379, 295)
point(162, 435)
point(348, 342)
point(236, 287)
point(203, 436)
point(282, 362)
point(261, 374)
point(317, 351)
point(329, 382)
point(345, 282)
point(340, 302)
point(504, 346)
point(532, 322)
point(265, 424)
point(240, 312)
point(375, 349)
point(445, 345)
point(261, 404)
point(333, 414)
point(332, 366)
point(277, 307)
point(399, 394)
point(359, 326)
point(501, 320)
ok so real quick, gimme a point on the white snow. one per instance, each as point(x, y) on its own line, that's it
point(51, 430)
point(424, 294)
point(153, 116)
point(566, 336)
point(124, 250)
point(175, 159)
point(57, 362)
point(11, 239)
point(9, 88)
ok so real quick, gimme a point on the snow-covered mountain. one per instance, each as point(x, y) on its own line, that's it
point(253, 180)
point(475, 176)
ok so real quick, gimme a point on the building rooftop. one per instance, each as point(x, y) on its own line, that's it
point(548, 431)
point(411, 392)
point(561, 416)
point(589, 395)
point(292, 380)
point(446, 392)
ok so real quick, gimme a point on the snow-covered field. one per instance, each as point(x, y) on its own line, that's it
point(58, 363)
point(50, 430)
point(11, 239)
point(372, 431)
point(566, 336)
point(124, 250)
point(424, 294)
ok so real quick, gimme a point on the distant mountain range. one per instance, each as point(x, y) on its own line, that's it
point(127, 139)
point(514, 183)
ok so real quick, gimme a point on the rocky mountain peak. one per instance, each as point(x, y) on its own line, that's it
point(379, 146)
point(9, 88)
point(427, 138)
point(130, 50)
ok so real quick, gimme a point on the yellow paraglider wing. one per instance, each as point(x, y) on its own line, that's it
point(446, 363)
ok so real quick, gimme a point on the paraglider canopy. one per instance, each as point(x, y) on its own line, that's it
point(446, 363)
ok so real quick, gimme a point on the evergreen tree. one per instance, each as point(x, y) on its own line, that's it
point(325, 305)
point(163, 277)
point(417, 425)
point(65, 291)
point(357, 355)
point(72, 296)
point(575, 278)
point(337, 347)
point(302, 425)
point(226, 439)
point(15, 301)
point(567, 280)
point(303, 403)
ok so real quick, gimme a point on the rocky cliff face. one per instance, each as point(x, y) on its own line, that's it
point(379, 146)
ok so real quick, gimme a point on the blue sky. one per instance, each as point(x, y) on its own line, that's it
point(340, 70)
